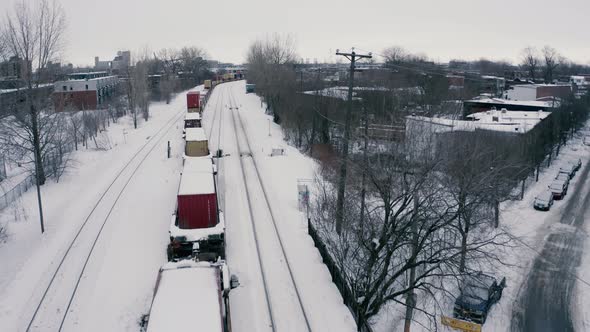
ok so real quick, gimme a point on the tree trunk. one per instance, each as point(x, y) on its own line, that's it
point(39, 171)
point(411, 296)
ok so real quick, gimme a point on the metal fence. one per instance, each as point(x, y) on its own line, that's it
point(337, 278)
point(52, 164)
point(16, 192)
point(2, 169)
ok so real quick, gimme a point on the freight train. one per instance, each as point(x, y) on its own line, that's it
point(192, 289)
point(197, 228)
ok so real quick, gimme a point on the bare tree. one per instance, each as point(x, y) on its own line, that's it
point(138, 93)
point(395, 54)
point(34, 34)
point(552, 60)
point(530, 61)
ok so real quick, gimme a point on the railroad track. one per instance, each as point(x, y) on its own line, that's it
point(258, 205)
point(54, 305)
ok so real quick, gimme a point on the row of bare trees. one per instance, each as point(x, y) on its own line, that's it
point(416, 223)
point(542, 64)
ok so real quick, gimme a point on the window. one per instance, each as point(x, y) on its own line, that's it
point(71, 88)
point(86, 86)
point(65, 88)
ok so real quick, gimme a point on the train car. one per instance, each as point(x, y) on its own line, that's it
point(192, 120)
point(192, 296)
point(196, 144)
point(207, 84)
point(193, 101)
point(197, 228)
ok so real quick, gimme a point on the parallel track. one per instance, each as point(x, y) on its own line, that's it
point(157, 137)
point(238, 123)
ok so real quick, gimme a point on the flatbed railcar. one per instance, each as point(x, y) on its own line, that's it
point(197, 228)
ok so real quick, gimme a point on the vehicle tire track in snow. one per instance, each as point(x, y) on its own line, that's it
point(74, 243)
point(546, 301)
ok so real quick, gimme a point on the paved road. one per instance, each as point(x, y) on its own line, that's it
point(544, 304)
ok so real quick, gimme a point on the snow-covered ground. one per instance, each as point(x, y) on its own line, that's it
point(321, 299)
point(530, 229)
point(117, 283)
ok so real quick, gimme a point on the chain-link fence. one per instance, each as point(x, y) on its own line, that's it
point(16, 191)
point(2, 169)
point(54, 165)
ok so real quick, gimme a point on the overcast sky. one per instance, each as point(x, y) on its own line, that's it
point(467, 29)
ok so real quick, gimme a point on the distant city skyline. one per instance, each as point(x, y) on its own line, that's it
point(460, 29)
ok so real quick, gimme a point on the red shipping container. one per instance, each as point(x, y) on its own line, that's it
point(192, 99)
point(197, 211)
point(197, 200)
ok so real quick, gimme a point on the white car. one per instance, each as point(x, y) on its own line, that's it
point(543, 201)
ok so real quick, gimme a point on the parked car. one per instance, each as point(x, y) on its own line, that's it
point(478, 293)
point(577, 163)
point(558, 188)
point(568, 169)
point(563, 177)
point(544, 201)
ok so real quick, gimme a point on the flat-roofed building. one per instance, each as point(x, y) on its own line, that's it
point(84, 91)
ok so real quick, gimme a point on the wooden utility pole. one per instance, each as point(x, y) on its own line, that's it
point(352, 56)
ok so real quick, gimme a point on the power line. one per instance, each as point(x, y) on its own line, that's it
point(423, 70)
point(353, 57)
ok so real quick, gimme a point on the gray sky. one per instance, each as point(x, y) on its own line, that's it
point(467, 29)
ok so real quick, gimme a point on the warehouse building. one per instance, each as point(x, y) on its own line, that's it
point(84, 91)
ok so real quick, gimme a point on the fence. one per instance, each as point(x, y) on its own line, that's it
point(16, 192)
point(2, 169)
point(337, 278)
point(53, 166)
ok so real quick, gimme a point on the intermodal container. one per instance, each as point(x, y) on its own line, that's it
point(193, 99)
point(197, 211)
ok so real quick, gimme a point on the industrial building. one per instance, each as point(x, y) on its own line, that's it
point(84, 91)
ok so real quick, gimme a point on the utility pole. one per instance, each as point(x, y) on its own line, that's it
point(352, 57)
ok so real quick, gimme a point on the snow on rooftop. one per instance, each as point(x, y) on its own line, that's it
point(192, 116)
point(506, 121)
point(532, 103)
point(196, 183)
point(195, 134)
point(341, 92)
point(187, 299)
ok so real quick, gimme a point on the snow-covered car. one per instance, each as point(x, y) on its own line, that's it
point(478, 293)
point(563, 177)
point(577, 163)
point(558, 188)
point(568, 169)
point(543, 201)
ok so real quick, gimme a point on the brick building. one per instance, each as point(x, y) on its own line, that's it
point(84, 91)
